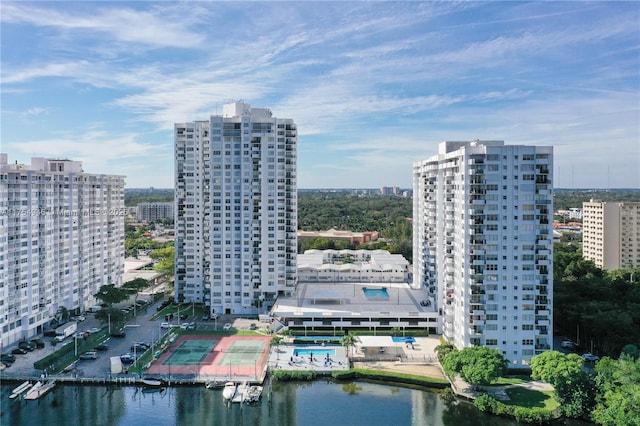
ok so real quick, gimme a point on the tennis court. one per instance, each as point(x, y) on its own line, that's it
point(242, 353)
point(190, 352)
point(214, 357)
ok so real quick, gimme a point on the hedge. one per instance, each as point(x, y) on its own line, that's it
point(410, 379)
point(488, 404)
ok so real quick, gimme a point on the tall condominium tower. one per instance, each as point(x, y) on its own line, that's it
point(61, 238)
point(236, 209)
point(482, 244)
point(611, 234)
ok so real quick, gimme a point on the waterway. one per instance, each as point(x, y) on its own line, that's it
point(319, 403)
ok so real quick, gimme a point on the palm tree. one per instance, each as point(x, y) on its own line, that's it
point(275, 341)
point(348, 341)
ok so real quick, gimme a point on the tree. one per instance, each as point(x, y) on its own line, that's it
point(111, 294)
point(165, 260)
point(574, 388)
point(135, 285)
point(110, 314)
point(618, 383)
point(348, 341)
point(444, 349)
point(554, 367)
point(275, 342)
point(477, 365)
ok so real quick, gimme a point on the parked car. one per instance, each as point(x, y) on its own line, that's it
point(102, 347)
point(205, 318)
point(89, 355)
point(227, 326)
point(127, 358)
point(139, 348)
point(19, 351)
point(590, 357)
point(38, 342)
point(8, 358)
point(191, 326)
point(253, 326)
point(146, 345)
point(184, 317)
point(29, 346)
point(93, 330)
point(568, 344)
point(165, 325)
point(119, 333)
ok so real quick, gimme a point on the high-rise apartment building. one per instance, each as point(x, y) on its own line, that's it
point(236, 209)
point(482, 216)
point(152, 212)
point(611, 234)
point(61, 238)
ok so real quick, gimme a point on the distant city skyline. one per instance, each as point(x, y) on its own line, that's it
point(372, 86)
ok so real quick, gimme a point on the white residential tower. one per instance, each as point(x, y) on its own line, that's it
point(61, 238)
point(483, 244)
point(236, 209)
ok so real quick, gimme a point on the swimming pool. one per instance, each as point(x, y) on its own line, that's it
point(375, 293)
point(315, 352)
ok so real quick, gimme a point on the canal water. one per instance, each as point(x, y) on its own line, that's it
point(319, 403)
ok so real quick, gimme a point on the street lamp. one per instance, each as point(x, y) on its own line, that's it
point(109, 317)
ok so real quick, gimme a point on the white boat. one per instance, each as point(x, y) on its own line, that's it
point(229, 391)
point(241, 393)
point(214, 384)
point(40, 389)
point(253, 394)
point(19, 390)
point(34, 390)
point(152, 383)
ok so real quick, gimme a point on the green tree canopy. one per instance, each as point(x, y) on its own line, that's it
point(554, 367)
point(619, 389)
point(165, 260)
point(111, 294)
point(110, 314)
point(477, 365)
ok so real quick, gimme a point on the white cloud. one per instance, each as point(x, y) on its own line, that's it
point(148, 27)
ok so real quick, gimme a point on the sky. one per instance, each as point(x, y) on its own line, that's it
point(372, 86)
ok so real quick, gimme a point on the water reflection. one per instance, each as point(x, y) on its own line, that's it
point(289, 404)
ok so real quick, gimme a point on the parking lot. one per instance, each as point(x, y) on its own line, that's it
point(143, 328)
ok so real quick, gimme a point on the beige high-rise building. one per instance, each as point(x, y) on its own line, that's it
point(611, 234)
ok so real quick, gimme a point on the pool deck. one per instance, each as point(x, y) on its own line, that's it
point(283, 358)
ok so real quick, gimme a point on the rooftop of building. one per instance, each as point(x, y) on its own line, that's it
point(376, 300)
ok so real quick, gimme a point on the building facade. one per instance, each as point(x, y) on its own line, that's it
point(152, 212)
point(236, 209)
point(611, 234)
point(483, 250)
point(61, 238)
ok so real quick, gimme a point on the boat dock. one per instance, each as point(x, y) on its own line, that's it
point(40, 389)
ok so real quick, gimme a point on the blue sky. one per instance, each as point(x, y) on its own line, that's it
point(372, 86)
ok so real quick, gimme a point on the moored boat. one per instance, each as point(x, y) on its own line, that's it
point(152, 383)
point(253, 394)
point(229, 391)
point(40, 389)
point(214, 384)
point(19, 390)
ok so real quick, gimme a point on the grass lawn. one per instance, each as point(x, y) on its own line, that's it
point(511, 380)
point(531, 398)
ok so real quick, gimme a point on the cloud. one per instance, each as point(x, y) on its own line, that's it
point(147, 27)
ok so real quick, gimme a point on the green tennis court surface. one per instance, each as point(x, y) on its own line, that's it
point(190, 352)
point(242, 353)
